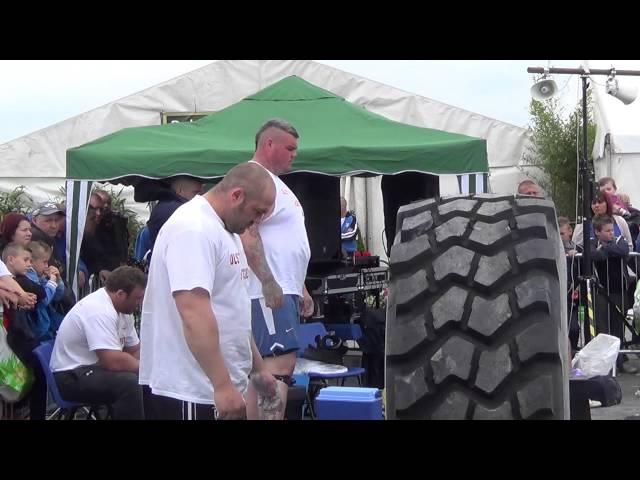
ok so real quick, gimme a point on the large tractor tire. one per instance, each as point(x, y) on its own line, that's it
point(476, 315)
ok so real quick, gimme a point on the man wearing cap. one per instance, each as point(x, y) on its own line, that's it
point(45, 221)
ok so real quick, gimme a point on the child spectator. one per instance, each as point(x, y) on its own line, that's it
point(21, 333)
point(608, 253)
point(48, 277)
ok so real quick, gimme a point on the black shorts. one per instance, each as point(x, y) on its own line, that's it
point(158, 407)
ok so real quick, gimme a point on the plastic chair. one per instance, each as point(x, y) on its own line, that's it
point(43, 354)
point(307, 334)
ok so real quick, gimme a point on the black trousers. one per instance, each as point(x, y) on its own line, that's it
point(38, 393)
point(96, 385)
point(158, 407)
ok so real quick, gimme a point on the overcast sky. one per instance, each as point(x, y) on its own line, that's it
point(37, 93)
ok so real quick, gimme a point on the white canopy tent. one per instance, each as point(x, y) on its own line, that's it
point(616, 150)
point(37, 160)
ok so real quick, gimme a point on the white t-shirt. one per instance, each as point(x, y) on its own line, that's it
point(92, 324)
point(4, 271)
point(285, 242)
point(192, 250)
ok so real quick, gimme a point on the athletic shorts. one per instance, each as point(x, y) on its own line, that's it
point(277, 334)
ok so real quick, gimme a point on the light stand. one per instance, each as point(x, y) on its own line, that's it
point(586, 175)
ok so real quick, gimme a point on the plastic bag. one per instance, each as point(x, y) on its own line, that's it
point(15, 378)
point(598, 357)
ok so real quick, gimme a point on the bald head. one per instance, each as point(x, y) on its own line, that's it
point(250, 177)
point(243, 197)
point(529, 187)
point(186, 187)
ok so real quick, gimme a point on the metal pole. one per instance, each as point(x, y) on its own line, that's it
point(582, 71)
point(586, 214)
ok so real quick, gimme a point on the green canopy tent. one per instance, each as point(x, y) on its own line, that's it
point(336, 138)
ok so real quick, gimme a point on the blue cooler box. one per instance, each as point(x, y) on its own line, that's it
point(349, 403)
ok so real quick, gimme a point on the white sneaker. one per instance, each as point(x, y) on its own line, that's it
point(594, 404)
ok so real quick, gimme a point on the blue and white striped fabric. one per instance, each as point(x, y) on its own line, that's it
point(473, 183)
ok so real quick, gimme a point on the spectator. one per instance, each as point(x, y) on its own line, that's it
point(529, 187)
point(96, 354)
point(105, 240)
point(183, 189)
point(16, 228)
point(566, 233)
point(24, 336)
point(601, 205)
point(609, 252)
point(608, 185)
point(11, 293)
point(45, 224)
point(45, 318)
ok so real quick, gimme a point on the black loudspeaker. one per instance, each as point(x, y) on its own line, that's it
point(401, 189)
point(320, 199)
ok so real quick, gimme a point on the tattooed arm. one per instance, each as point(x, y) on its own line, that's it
point(257, 261)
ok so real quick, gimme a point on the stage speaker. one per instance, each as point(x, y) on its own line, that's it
point(320, 199)
point(401, 189)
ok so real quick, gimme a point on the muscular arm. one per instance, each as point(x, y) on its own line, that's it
point(201, 334)
point(253, 248)
point(257, 261)
point(117, 361)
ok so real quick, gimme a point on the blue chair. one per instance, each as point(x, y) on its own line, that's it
point(346, 331)
point(307, 334)
point(66, 409)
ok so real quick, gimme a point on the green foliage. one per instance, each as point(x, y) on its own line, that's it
point(16, 200)
point(555, 140)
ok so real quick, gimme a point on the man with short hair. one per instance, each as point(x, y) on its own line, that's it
point(45, 224)
point(106, 237)
point(183, 189)
point(278, 253)
point(96, 354)
point(529, 187)
point(197, 348)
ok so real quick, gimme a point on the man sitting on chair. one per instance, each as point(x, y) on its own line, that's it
point(96, 355)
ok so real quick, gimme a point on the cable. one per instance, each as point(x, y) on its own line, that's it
point(384, 244)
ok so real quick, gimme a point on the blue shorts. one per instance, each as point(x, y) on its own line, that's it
point(281, 336)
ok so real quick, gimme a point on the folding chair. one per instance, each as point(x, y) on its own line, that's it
point(307, 334)
point(66, 409)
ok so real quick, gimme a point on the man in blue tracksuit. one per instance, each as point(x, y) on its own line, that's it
point(348, 228)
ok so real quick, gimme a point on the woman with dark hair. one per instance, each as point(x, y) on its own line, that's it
point(602, 204)
point(16, 228)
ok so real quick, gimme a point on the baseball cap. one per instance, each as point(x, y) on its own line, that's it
point(47, 208)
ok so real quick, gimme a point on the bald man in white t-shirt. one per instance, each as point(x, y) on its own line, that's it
point(197, 349)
